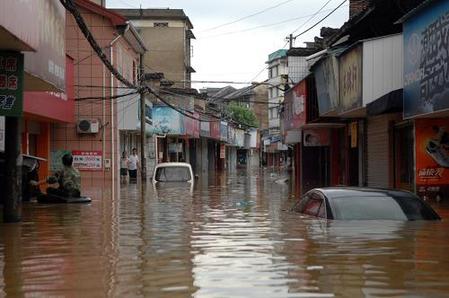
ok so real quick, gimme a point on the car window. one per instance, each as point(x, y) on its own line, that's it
point(415, 209)
point(351, 208)
point(314, 206)
point(173, 174)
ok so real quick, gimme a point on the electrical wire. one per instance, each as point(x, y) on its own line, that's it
point(264, 26)
point(104, 98)
point(317, 23)
point(248, 16)
point(312, 16)
point(71, 7)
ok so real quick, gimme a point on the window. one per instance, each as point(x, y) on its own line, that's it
point(313, 205)
point(368, 208)
point(173, 174)
point(273, 113)
point(161, 25)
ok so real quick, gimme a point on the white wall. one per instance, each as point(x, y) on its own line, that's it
point(382, 67)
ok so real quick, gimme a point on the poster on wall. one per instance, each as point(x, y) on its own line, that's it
point(432, 152)
point(351, 79)
point(295, 107)
point(87, 160)
point(426, 80)
point(316, 137)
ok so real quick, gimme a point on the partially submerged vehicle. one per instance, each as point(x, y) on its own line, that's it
point(357, 203)
point(173, 174)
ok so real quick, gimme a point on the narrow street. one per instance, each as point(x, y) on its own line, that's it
point(234, 237)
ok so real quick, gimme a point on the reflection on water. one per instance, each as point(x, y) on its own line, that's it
point(231, 238)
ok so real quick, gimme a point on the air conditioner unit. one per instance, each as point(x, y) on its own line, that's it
point(88, 126)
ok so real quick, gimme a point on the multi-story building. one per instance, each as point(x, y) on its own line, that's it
point(167, 34)
point(94, 137)
point(35, 90)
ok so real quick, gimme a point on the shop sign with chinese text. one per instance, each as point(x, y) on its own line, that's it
point(11, 84)
point(88, 160)
point(426, 63)
point(351, 79)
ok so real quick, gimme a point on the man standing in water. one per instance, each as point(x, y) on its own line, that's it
point(133, 164)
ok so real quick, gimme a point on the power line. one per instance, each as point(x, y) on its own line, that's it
point(104, 98)
point(71, 7)
point(312, 16)
point(264, 26)
point(248, 16)
point(317, 23)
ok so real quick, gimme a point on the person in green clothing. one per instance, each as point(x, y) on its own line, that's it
point(69, 179)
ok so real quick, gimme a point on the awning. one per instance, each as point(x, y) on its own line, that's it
point(389, 103)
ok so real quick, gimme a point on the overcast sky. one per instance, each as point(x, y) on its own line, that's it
point(238, 52)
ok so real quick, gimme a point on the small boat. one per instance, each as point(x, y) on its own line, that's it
point(54, 199)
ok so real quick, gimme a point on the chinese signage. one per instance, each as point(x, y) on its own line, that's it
point(205, 129)
point(215, 129)
point(295, 107)
point(167, 121)
point(87, 160)
point(432, 152)
point(426, 62)
point(224, 131)
point(326, 74)
point(351, 79)
point(11, 84)
point(239, 137)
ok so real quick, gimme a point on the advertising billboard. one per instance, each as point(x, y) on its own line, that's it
point(167, 121)
point(426, 61)
point(350, 77)
point(224, 131)
point(295, 107)
point(326, 76)
point(215, 129)
point(432, 152)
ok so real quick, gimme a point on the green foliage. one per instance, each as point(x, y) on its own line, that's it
point(242, 115)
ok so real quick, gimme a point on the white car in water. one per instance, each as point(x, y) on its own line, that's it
point(173, 174)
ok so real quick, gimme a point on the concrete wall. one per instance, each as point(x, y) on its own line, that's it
point(167, 48)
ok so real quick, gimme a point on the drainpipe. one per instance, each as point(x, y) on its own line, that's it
point(111, 47)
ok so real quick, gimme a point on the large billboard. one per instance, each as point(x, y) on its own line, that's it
point(326, 78)
point(295, 107)
point(426, 61)
point(167, 121)
point(350, 77)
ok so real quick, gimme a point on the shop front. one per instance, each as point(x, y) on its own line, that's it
point(426, 106)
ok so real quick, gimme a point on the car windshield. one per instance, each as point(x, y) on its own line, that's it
point(173, 174)
point(367, 208)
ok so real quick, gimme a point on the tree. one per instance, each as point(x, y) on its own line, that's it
point(242, 115)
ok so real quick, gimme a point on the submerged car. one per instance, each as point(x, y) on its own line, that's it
point(342, 203)
point(173, 174)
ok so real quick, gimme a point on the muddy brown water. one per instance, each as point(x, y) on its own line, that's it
point(231, 238)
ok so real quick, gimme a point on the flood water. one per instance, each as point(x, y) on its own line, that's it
point(233, 237)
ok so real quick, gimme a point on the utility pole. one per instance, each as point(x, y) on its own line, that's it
point(143, 168)
point(290, 39)
point(13, 172)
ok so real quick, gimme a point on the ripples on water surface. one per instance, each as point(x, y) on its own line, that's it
point(231, 238)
